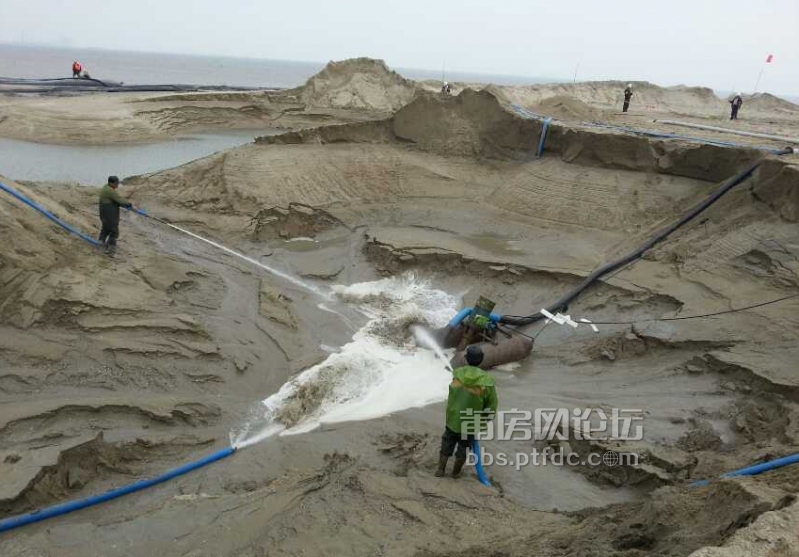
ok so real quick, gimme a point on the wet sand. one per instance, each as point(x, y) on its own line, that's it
point(118, 369)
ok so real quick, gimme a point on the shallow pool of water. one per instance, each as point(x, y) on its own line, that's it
point(91, 165)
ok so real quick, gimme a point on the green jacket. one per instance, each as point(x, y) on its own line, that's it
point(471, 388)
point(109, 195)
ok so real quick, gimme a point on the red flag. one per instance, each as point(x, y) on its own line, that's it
point(769, 58)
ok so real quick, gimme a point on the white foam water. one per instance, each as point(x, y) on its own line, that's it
point(374, 374)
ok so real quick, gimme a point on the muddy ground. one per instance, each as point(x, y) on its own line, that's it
point(116, 369)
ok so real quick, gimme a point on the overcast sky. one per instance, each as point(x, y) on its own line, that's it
point(721, 44)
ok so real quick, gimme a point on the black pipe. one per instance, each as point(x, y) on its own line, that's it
point(514, 349)
point(564, 301)
point(79, 84)
point(54, 81)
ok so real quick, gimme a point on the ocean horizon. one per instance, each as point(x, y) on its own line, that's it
point(41, 61)
point(147, 68)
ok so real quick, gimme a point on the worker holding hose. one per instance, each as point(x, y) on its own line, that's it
point(471, 403)
point(110, 202)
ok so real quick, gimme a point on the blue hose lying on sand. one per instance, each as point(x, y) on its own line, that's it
point(64, 508)
point(49, 215)
point(755, 469)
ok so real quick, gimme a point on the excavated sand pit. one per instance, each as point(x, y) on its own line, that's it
point(113, 370)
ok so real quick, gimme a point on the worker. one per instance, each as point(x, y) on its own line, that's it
point(110, 202)
point(735, 105)
point(471, 403)
point(446, 89)
point(76, 69)
point(628, 94)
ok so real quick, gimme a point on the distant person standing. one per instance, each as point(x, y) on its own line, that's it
point(628, 94)
point(446, 89)
point(76, 69)
point(110, 202)
point(735, 106)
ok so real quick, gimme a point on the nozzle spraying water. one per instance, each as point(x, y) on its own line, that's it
point(426, 340)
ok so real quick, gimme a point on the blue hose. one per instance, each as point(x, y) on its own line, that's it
point(764, 466)
point(49, 215)
point(64, 508)
point(460, 316)
point(756, 469)
point(478, 464)
point(466, 312)
point(543, 139)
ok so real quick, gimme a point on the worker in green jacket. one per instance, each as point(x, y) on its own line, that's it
point(110, 202)
point(472, 402)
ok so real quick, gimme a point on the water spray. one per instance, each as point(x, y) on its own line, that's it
point(426, 340)
point(285, 276)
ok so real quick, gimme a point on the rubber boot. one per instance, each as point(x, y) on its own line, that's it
point(456, 469)
point(442, 466)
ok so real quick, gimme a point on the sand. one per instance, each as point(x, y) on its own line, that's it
point(113, 370)
point(356, 90)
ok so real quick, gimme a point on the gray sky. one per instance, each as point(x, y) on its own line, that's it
point(721, 44)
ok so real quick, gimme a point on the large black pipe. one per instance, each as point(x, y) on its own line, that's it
point(17, 85)
point(513, 349)
point(564, 301)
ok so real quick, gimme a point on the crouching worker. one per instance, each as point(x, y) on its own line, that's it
point(472, 402)
point(110, 202)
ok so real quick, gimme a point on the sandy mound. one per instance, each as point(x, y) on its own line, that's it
point(609, 94)
point(358, 83)
point(765, 102)
point(480, 123)
point(472, 123)
point(568, 108)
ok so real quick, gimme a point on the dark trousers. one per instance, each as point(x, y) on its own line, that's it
point(451, 442)
point(109, 217)
point(625, 106)
point(734, 112)
point(75, 74)
point(109, 234)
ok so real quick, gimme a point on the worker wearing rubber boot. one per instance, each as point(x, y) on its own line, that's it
point(110, 202)
point(628, 94)
point(472, 402)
